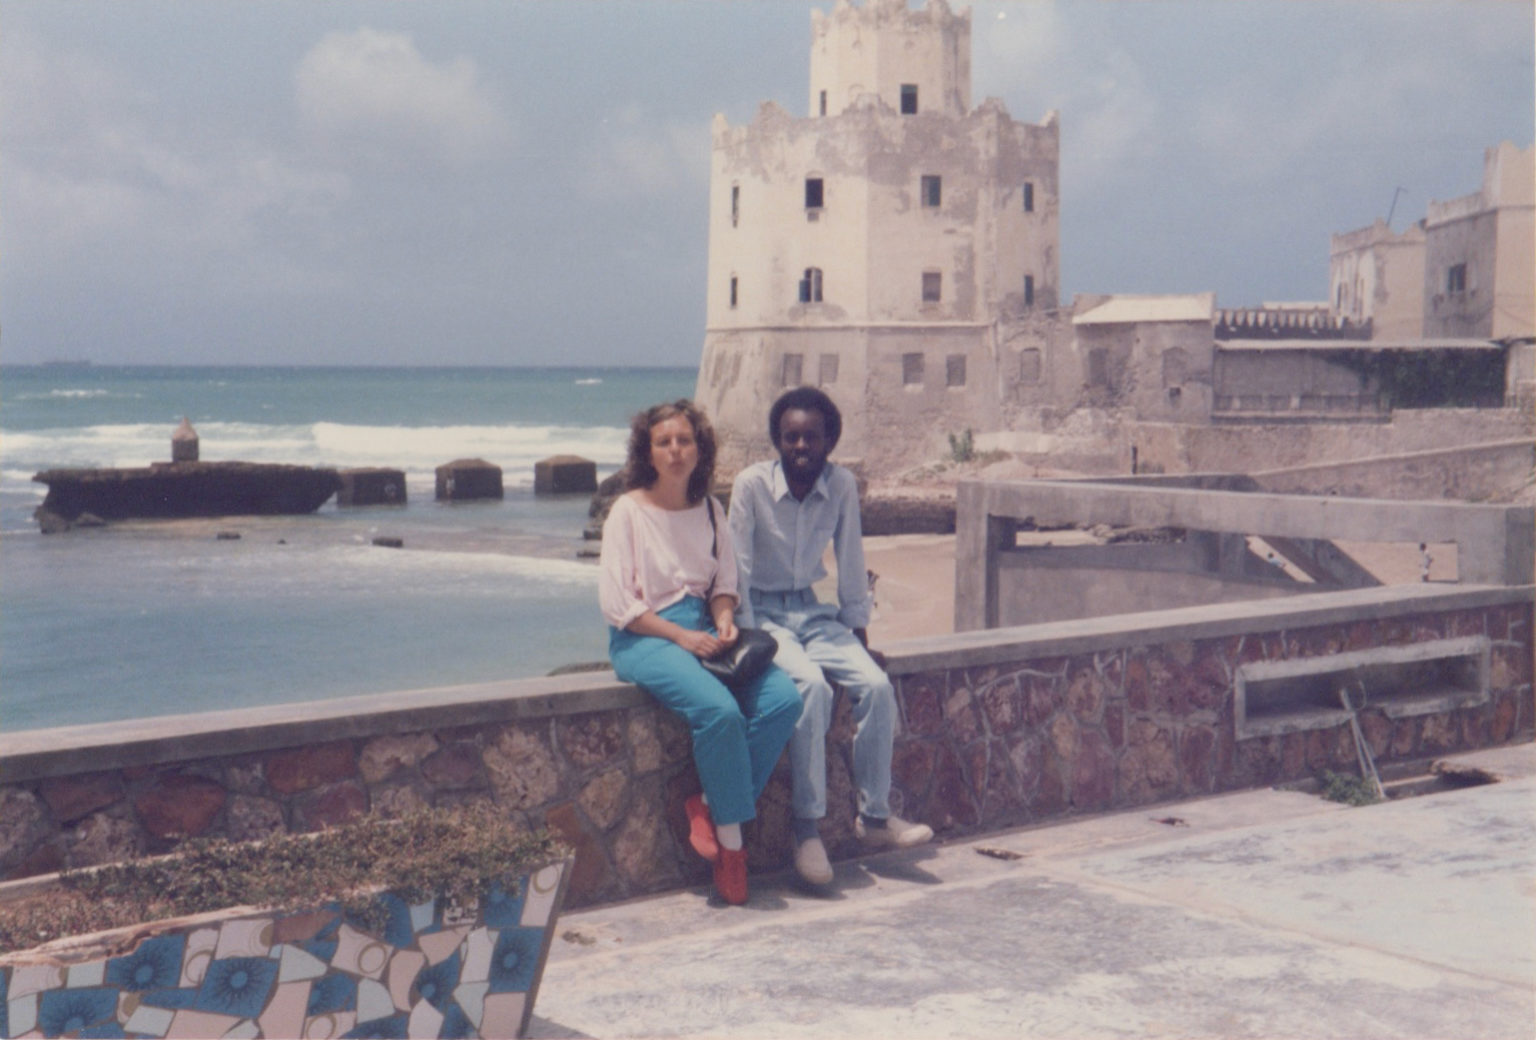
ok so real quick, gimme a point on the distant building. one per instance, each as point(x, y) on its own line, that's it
point(1376, 279)
point(899, 248)
point(1150, 354)
point(1479, 267)
point(894, 246)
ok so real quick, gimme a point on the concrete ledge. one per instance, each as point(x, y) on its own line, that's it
point(1118, 631)
point(36, 754)
point(998, 728)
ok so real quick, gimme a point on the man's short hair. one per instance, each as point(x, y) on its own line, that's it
point(807, 399)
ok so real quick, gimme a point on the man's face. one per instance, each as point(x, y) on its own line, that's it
point(803, 443)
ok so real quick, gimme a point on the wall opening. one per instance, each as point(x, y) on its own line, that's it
point(1029, 365)
point(810, 286)
point(954, 370)
point(790, 373)
point(827, 373)
point(1272, 697)
point(909, 99)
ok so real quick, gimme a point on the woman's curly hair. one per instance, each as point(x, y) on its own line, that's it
point(641, 472)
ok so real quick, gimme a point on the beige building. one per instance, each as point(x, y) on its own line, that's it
point(1376, 276)
point(1480, 253)
point(894, 245)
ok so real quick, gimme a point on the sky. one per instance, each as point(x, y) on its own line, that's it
point(515, 182)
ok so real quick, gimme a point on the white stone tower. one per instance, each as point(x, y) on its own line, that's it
point(895, 246)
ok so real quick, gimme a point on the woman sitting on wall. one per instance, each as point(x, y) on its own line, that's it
point(667, 588)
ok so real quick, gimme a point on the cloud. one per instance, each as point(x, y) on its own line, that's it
point(1030, 55)
point(375, 90)
point(102, 190)
point(632, 155)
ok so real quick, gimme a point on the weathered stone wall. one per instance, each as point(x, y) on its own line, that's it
point(998, 729)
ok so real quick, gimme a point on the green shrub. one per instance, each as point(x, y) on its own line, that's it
point(1350, 790)
point(963, 447)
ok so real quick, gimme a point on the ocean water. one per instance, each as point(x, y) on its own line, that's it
point(164, 617)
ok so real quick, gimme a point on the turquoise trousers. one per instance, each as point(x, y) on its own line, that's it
point(737, 737)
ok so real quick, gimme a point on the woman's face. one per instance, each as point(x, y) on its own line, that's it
point(674, 448)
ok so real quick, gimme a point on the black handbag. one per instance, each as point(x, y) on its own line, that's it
point(751, 654)
point(744, 660)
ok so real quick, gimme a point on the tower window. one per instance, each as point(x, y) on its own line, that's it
point(933, 286)
point(932, 189)
point(1029, 290)
point(1029, 197)
point(1456, 278)
point(733, 292)
point(954, 370)
point(912, 369)
point(813, 193)
point(828, 373)
point(790, 375)
point(735, 203)
point(810, 286)
point(909, 99)
point(823, 102)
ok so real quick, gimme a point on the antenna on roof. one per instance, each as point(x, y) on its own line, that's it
point(1393, 208)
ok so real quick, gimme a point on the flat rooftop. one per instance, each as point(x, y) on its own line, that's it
point(1263, 913)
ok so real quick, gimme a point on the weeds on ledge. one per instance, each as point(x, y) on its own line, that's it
point(963, 447)
point(1350, 790)
point(456, 854)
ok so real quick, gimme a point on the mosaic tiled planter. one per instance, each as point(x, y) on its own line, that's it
point(431, 971)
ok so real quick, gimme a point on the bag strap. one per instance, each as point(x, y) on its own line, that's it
point(714, 546)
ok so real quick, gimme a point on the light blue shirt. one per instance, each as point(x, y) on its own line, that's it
point(779, 541)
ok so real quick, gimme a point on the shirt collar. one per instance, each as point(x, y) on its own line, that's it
point(781, 483)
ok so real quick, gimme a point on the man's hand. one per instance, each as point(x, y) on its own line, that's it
point(874, 655)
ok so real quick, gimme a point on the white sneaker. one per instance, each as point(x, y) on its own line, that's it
point(811, 862)
point(896, 834)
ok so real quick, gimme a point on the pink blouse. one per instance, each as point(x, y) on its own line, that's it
point(653, 557)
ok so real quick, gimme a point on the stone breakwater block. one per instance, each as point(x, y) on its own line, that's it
point(465, 479)
point(371, 487)
point(564, 475)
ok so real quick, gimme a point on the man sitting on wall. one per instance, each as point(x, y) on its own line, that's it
point(783, 515)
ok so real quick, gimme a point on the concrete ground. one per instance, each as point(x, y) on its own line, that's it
point(1259, 914)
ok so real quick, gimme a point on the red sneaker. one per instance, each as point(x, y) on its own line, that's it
point(731, 876)
point(701, 829)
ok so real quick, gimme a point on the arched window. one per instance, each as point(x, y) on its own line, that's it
point(810, 286)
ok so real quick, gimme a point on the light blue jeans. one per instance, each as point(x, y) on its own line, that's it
point(737, 738)
point(817, 650)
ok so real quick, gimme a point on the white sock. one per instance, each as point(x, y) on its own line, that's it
point(728, 835)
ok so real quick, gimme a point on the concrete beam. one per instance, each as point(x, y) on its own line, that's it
point(1495, 542)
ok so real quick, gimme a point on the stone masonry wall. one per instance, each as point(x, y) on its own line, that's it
point(982, 747)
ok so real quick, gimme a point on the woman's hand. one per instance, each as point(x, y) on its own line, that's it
point(699, 644)
point(723, 609)
point(727, 628)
